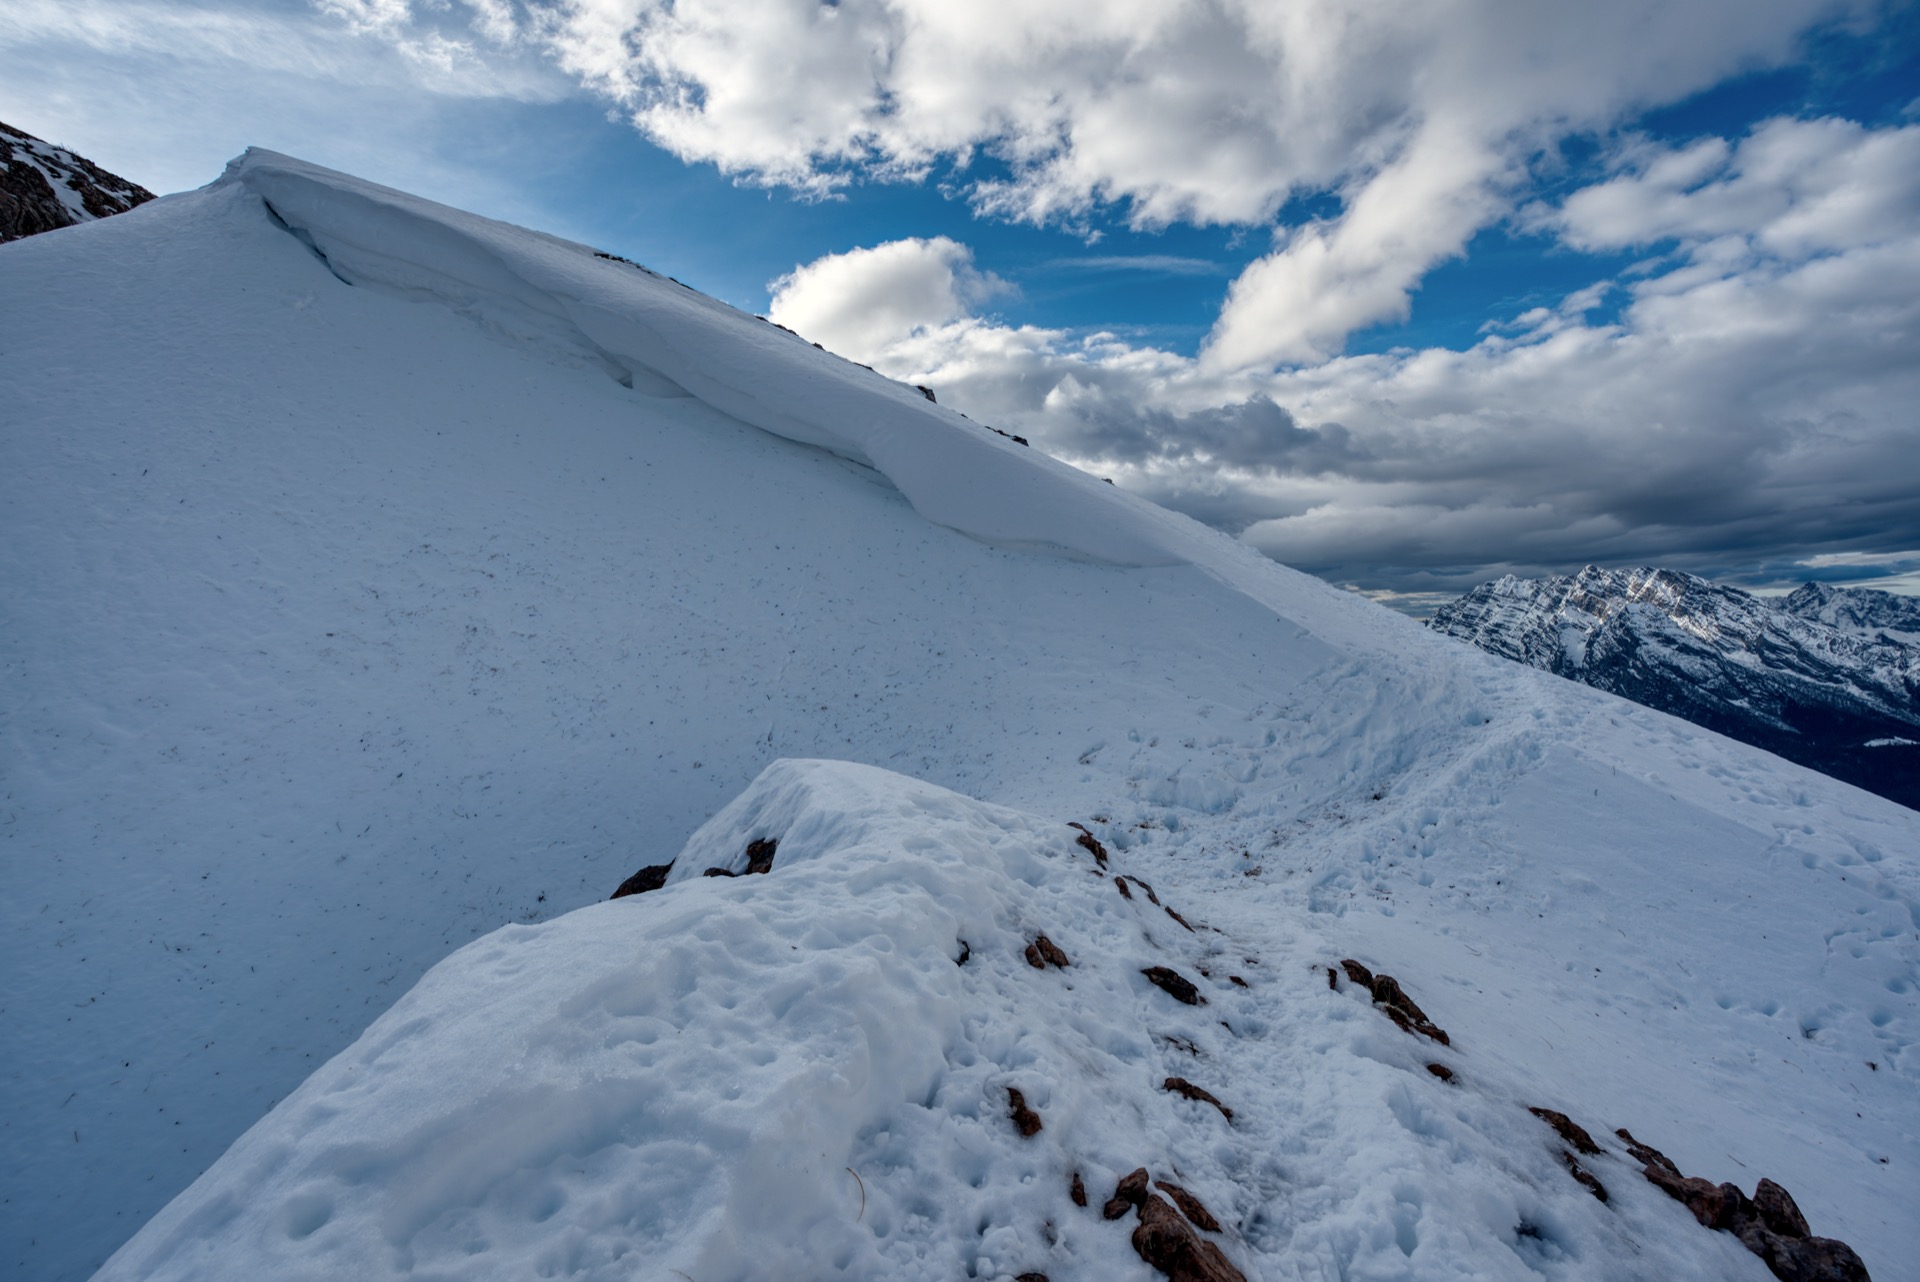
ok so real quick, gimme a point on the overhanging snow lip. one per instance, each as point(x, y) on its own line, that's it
point(953, 472)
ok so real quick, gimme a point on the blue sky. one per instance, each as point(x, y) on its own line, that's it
point(1408, 297)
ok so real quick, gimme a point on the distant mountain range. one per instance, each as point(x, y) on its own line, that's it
point(1826, 677)
point(44, 187)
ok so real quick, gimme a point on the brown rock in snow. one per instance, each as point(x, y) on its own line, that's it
point(1569, 1130)
point(1583, 1176)
point(1175, 985)
point(760, 854)
point(1077, 1190)
point(1769, 1224)
point(651, 878)
point(1190, 1206)
point(1043, 952)
point(1130, 1192)
point(1181, 1086)
point(1167, 1242)
point(1400, 1008)
point(1025, 1120)
point(1090, 842)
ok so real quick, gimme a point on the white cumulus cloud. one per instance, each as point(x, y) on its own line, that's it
point(1749, 403)
point(1417, 121)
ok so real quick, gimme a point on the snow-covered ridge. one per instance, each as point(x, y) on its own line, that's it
point(665, 339)
point(813, 1073)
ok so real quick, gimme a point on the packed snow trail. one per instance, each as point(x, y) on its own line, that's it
point(807, 1074)
point(346, 624)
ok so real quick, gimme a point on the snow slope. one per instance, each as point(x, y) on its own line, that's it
point(792, 1078)
point(347, 622)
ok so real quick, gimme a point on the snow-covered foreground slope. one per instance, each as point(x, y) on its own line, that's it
point(808, 1074)
point(348, 622)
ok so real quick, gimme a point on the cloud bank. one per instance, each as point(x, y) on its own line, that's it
point(1421, 121)
point(1752, 399)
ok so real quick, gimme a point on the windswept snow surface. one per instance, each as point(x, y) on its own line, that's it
point(377, 576)
point(793, 1076)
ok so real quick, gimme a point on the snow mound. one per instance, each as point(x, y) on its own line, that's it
point(808, 1073)
point(654, 335)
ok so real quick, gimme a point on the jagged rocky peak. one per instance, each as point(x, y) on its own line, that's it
point(1826, 677)
point(44, 187)
point(1868, 611)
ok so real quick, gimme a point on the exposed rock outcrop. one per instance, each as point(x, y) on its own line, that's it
point(1769, 1223)
point(1391, 999)
point(1165, 1240)
point(1175, 985)
point(1199, 1094)
point(649, 878)
point(44, 187)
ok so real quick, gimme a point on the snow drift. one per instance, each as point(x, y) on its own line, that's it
point(664, 339)
point(350, 622)
point(808, 1074)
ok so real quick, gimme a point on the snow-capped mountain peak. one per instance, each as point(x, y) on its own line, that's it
point(1823, 676)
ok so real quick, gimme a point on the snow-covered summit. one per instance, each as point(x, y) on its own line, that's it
point(1822, 676)
point(380, 577)
point(44, 187)
point(1870, 613)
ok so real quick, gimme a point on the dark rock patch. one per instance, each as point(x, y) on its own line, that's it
point(966, 954)
point(1778, 1211)
point(651, 878)
point(1151, 897)
point(1769, 1223)
point(1333, 978)
point(1583, 1176)
point(1043, 952)
point(1024, 1277)
point(1175, 985)
point(30, 170)
point(1392, 999)
point(1569, 1130)
point(1077, 1190)
point(1091, 843)
point(1025, 1120)
point(1190, 1206)
point(1130, 1192)
point(1121, 883)
point(1441, 1071)
point(927, 392)
point(1183, 921)
point(1181, 1086)
point(1166, 1241)
point(719, 872)
point(1238, 982)
point(760, 854)
point(1400, 1008)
